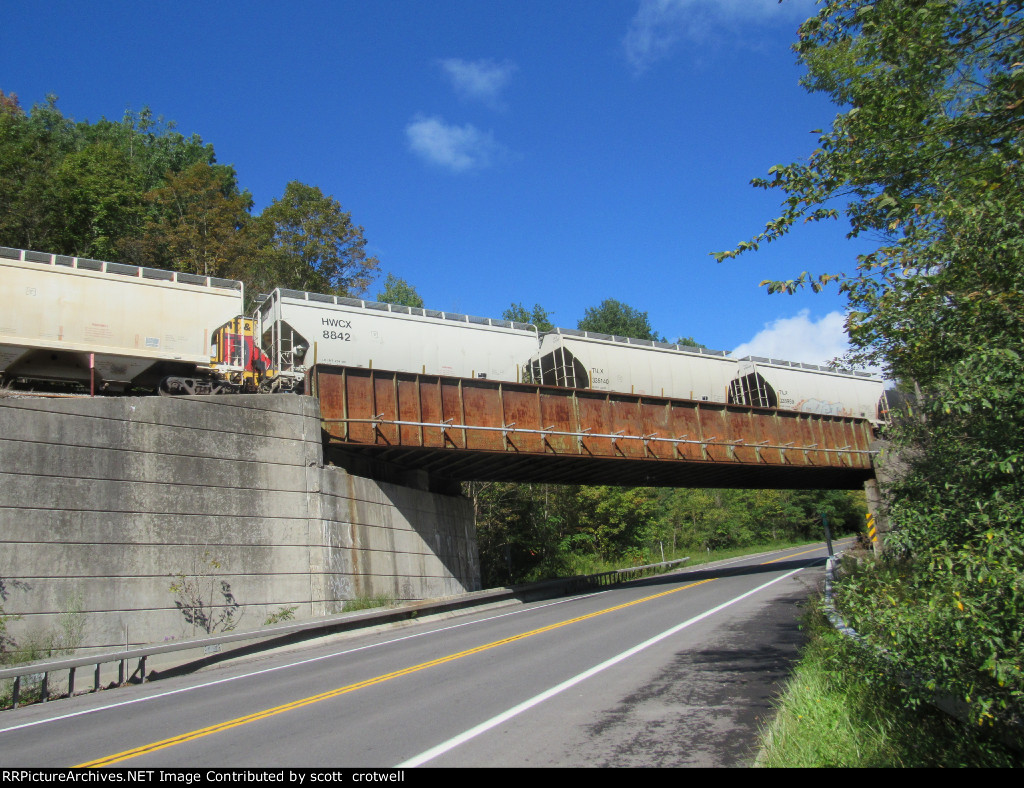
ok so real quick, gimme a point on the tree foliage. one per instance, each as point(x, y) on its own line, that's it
point(398, 291)
point(617, 318)
point(198, 222)
point(137, 190)
point(538, 316)
point(534, 531)
point(314, 245)
point(925, 158)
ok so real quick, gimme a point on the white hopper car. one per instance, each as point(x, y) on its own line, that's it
point(138, 325)
point(582, 359)
point(300, 329)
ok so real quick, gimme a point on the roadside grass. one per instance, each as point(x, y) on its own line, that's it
point(829, 715)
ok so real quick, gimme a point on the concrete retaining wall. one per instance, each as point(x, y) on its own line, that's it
point(105, 504)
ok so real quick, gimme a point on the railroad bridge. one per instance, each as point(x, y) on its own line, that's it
point(462, 429)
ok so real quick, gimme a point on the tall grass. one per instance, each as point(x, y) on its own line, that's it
point(829, 715)
point(39, 644)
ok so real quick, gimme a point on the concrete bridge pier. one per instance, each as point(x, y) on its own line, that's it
point(887, 467)
point(878, 523)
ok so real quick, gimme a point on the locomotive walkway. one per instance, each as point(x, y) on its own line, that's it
point(462, 429)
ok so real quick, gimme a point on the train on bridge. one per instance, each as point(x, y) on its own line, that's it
point(119, 328)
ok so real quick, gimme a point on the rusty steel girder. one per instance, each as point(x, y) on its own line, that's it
point(469, 429)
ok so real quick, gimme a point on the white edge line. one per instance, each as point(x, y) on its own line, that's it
point(472, 733)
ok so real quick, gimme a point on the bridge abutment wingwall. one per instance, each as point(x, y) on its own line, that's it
point(149, 519)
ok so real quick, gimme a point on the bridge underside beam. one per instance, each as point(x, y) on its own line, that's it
point(467, 429)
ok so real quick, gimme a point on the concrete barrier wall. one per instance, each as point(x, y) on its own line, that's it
point(105, 504)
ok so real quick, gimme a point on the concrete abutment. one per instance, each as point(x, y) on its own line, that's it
point(108, 503)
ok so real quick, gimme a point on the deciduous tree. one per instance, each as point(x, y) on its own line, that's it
point(312, 244)
point(95, 200)
point(199, 224)
point(615, 317)
point(538, 316)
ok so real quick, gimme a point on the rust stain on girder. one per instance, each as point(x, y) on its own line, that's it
point(468, 429)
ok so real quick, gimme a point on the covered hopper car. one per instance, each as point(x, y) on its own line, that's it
point(299, 329)
point(582, 359)
point(121, 326)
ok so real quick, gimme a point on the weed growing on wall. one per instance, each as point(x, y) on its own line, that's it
point(282, 614)
point(195, 595)
point(38, 643)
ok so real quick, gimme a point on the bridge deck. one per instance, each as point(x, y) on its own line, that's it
point(467, 429)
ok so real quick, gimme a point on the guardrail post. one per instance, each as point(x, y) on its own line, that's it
point(96, 679)
point(142, 670)
point(16, 692)
point(71, 682)
point(44, 688)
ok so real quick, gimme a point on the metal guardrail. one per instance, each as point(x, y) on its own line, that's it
point(616, 576)
point(271, 635)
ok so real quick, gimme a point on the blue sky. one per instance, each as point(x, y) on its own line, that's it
point(558, 152)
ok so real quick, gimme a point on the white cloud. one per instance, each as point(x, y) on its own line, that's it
point(479, 80)
point(457, 148)
point(659, 25)
point(800, 338)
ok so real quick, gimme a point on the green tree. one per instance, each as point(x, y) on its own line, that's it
point(80, 188)
point(312, 244)
point(538, 316)
point(32, 145)
point(521, 530)
point(614, 317)
point(95, 200)
point(151, 144)
point(398, 291)
point(199, 223)
point(615, 520)
point(925, 157)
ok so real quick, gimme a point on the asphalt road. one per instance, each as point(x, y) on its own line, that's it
point(678, 670)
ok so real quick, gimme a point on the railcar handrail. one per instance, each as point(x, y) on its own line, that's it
point(511, 428)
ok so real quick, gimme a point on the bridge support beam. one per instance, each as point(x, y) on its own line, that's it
point(468, 429)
